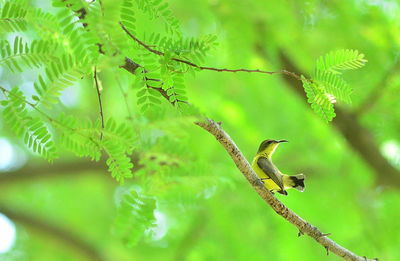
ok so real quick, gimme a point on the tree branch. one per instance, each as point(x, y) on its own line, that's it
point(292, 74)
point(99, 96)
point(62, 234)
point(243, 165)
point(131, 67)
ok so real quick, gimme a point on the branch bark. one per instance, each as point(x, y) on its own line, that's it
point(243, 165)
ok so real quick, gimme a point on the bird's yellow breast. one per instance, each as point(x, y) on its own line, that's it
point(269, 183)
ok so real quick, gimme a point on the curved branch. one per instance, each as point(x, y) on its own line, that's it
point(243, 165)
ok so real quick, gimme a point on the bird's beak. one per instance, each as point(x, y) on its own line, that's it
point(282, 141)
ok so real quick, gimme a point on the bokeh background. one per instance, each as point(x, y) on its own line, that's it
point(205, 209)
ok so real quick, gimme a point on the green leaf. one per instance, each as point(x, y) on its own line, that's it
point(119, 164)
point(21, 55)
point(319, 100)
point(333, 85)
point(344, 59)
point(36, 135)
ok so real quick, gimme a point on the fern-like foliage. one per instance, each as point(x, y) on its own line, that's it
point(82, 138)
point(74, 139)
point(319, 100)
point(192, 49)
point(128, 16)
point(18, 16)
point(160, 9)
point(176, 91)
point(334, 85)
point(44, 23)
point(100, 22)
point(336, 61)
point(82, 35)
point(327, 86)
point(13, 16)
point(121, 134)
point(148, 81)
point(169, 73)
point(94, 32)
point(35, 134)
point(59, 75)
point(135, 216)
point(77, 41)
point(119, 164)
point(118, 144)
point(19, 54)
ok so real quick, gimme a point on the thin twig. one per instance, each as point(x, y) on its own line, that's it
point(101, 107)
point(243, 165)
point(157, 52)
point(33, 106)
point(102, 7)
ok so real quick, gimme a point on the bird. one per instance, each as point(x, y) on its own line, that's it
point(273, 179)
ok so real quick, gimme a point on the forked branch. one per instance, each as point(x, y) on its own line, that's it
point(189, 63)
point(243, 165)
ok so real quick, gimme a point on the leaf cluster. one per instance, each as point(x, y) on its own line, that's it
point(327, 86)
point(32, 129)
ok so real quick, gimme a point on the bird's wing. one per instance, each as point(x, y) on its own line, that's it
point(270, 170)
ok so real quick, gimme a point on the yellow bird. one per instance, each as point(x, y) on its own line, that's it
point(273, 179)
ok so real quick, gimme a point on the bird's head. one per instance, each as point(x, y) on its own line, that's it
point(269, 146)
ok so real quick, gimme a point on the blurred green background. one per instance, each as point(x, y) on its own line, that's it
point(206, 210)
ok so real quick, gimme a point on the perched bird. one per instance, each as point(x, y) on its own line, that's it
point(273, 179)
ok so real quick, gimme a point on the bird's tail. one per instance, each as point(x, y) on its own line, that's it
point(298, 182)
